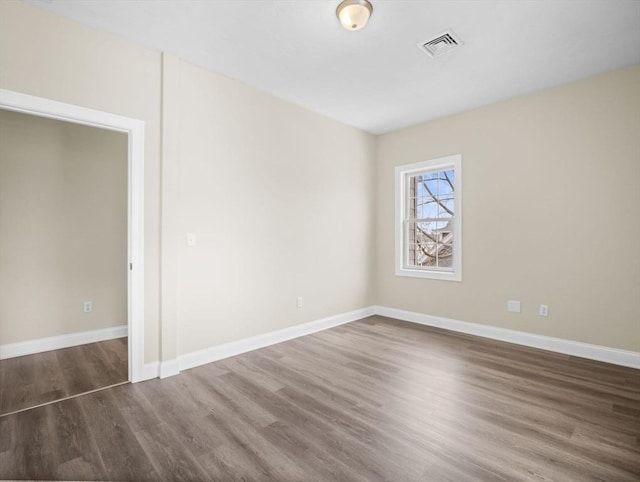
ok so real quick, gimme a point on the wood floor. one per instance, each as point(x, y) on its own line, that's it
point(30, 380)
point(375, 399)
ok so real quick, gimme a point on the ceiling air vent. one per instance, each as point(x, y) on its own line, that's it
point(441, 44)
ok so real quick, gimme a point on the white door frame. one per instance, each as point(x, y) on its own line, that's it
point(134, 128)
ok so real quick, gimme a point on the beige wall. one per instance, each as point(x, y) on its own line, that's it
point(222, 139)
point(63, 227)
point(49, 56)
point(310, 231)
point(281, 201)
point(551, 193)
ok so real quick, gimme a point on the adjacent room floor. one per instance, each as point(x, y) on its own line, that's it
point(376, 399)
point(31, 380)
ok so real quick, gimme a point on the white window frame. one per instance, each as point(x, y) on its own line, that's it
point(401, 175)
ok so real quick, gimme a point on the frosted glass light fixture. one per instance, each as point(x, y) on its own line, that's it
point(354, 14)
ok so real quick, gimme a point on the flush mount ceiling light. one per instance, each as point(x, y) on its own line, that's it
point(354, 14)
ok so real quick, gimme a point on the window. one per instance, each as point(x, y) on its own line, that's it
point(429, 219)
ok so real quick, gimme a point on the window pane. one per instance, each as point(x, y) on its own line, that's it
point(445, 194)
point(445, 255)
point(429, 184)
point(431, 195)
point(429, 243)
point(422, 241)
point(451, 175)
point(422, 204)
point(444, 249)
point(427, 208)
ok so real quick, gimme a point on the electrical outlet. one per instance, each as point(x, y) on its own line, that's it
point(299, 301)
point(544, 310)
point(87, 306)
point(513, 306)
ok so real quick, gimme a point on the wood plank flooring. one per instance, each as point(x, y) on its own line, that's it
point(30, 380)
point(377, 399)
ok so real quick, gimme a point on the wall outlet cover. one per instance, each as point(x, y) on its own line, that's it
point(513, 306)
point(191, 239)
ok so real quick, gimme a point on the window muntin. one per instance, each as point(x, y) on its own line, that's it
point(428, 219)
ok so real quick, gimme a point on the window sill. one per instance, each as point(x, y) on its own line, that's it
point(424, 274)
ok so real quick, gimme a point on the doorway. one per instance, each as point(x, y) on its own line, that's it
point(107, 294)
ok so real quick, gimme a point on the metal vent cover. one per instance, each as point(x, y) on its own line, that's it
point(441, 44)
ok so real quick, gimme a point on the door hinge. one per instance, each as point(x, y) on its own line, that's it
point(131, 266)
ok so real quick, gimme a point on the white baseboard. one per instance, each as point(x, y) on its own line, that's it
point(158, 369)
point(208, 355)
point(150, 370)
point(169, 368)
point(558, 345)
point(29, 347)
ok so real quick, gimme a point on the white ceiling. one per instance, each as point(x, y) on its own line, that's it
point(376, 78)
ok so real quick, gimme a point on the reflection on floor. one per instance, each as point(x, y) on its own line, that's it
point(31, 380)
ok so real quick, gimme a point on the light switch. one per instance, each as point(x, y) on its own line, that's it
point(191, 239)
